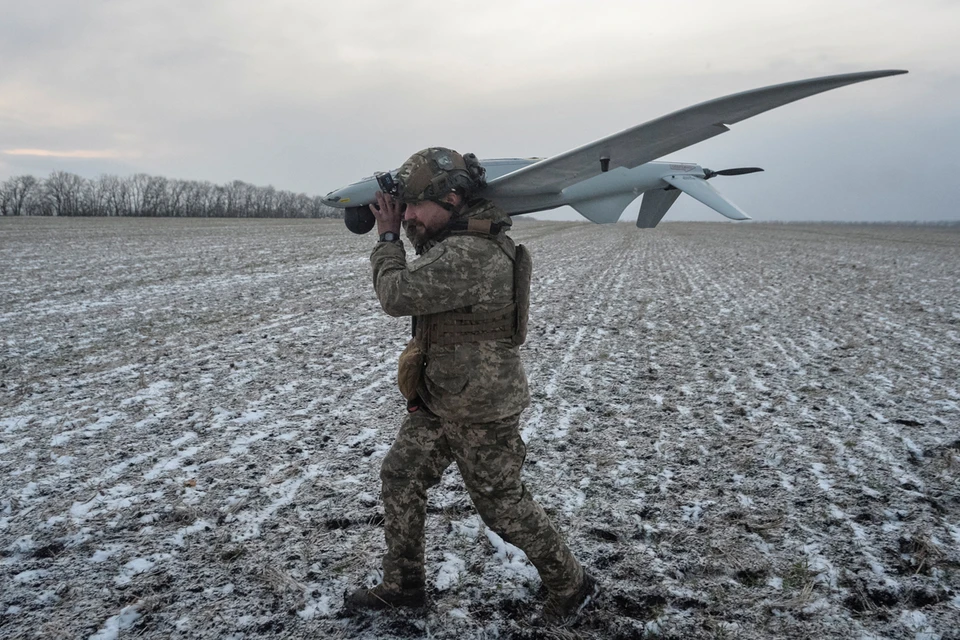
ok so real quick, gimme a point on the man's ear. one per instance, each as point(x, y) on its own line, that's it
point(453, 198)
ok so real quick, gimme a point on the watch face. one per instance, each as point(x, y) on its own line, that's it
point(389, 236)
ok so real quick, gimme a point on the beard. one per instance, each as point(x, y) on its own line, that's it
point(417, 233)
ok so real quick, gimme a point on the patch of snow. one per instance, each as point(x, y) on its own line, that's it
point(123, 621)
point(185, 438)
point(469, 528)
point(573, 499)
point(823, 479)
point(31, 575)
point(363, 436)
point(241, 444)
point(48, 597)
point(913, 620)
point(250, 416)
point(512, 558)
point(450, 572)
point(692, 513)
point(102, 555)
point(136, 567)
point(80, 511)
point(23, 544)
point(219, 461)
point(199, 525)
point(61, 439)
point(315, 608)
point(171, 464)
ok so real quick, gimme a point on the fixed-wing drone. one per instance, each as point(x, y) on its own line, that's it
point(602, 178)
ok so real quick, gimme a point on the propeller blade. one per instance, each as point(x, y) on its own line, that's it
point(738, 171)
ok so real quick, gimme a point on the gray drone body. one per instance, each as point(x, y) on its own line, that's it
point(602, 178)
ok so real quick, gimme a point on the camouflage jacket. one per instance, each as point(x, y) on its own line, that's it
point(478, 381)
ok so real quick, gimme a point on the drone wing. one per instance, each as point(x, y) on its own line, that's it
point(654, 139)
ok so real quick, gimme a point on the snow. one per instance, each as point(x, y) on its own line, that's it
point(319, 608)
point(745, 431)
point(450, 571)
point(123, 621)
point(33, 575)
point(513, 560)
point(135, 567)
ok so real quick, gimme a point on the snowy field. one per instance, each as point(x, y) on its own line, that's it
point(746, 431)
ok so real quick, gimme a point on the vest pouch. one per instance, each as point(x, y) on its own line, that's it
point(522, 275)
point(410, 369)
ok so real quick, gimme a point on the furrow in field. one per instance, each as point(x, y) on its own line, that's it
point(754, 424)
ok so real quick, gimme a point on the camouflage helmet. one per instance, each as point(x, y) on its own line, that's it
point(433, 173)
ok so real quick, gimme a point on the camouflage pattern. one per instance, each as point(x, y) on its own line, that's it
point(489, 457)
point(470, 382)
point(430, 174)
point(474, 393)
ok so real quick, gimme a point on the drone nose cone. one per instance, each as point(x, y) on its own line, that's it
point(337, 198)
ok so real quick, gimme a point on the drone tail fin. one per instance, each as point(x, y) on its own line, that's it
point(698, 188)
point(604, 210)
point(655, 205)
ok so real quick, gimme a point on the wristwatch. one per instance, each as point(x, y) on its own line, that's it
point(389, 236)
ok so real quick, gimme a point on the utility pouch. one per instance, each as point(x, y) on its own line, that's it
point(410, 369)
point(522, 274)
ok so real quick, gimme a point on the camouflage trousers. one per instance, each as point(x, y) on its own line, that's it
point(489, 457)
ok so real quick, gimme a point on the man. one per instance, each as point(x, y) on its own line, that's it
point(468, 387)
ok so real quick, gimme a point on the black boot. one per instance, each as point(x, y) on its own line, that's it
point(566, 611)
point(379, 598)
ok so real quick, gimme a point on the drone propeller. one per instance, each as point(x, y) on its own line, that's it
point(739, 171)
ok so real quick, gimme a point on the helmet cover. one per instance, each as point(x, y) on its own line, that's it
point(432, 173)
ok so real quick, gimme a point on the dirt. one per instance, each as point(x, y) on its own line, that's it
point(745, 431)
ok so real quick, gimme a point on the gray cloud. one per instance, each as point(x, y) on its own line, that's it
point(308, 96)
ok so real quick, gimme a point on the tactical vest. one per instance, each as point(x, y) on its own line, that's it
point(465, 325)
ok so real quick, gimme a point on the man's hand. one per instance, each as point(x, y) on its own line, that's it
point(388, 212)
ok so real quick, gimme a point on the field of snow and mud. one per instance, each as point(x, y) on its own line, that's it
point(745, 431)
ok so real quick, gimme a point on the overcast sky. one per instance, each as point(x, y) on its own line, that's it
point(309, 95)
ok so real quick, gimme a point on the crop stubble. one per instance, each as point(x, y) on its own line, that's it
point(745, 431)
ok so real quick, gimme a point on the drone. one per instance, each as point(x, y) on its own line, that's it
point(600, 179)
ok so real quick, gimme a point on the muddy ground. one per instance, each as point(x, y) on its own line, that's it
point(745, 431)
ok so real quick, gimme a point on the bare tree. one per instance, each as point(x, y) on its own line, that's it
point(155, 197)
point(96, 197)
point(20, 194)
point(137, 189)
point(64, 194)
point(67, 194)
point(6, 197)
point(117, 191)
point(176, 197)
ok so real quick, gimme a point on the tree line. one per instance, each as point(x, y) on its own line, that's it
point(67, 194)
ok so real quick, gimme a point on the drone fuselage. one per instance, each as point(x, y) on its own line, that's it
point(617, 184)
